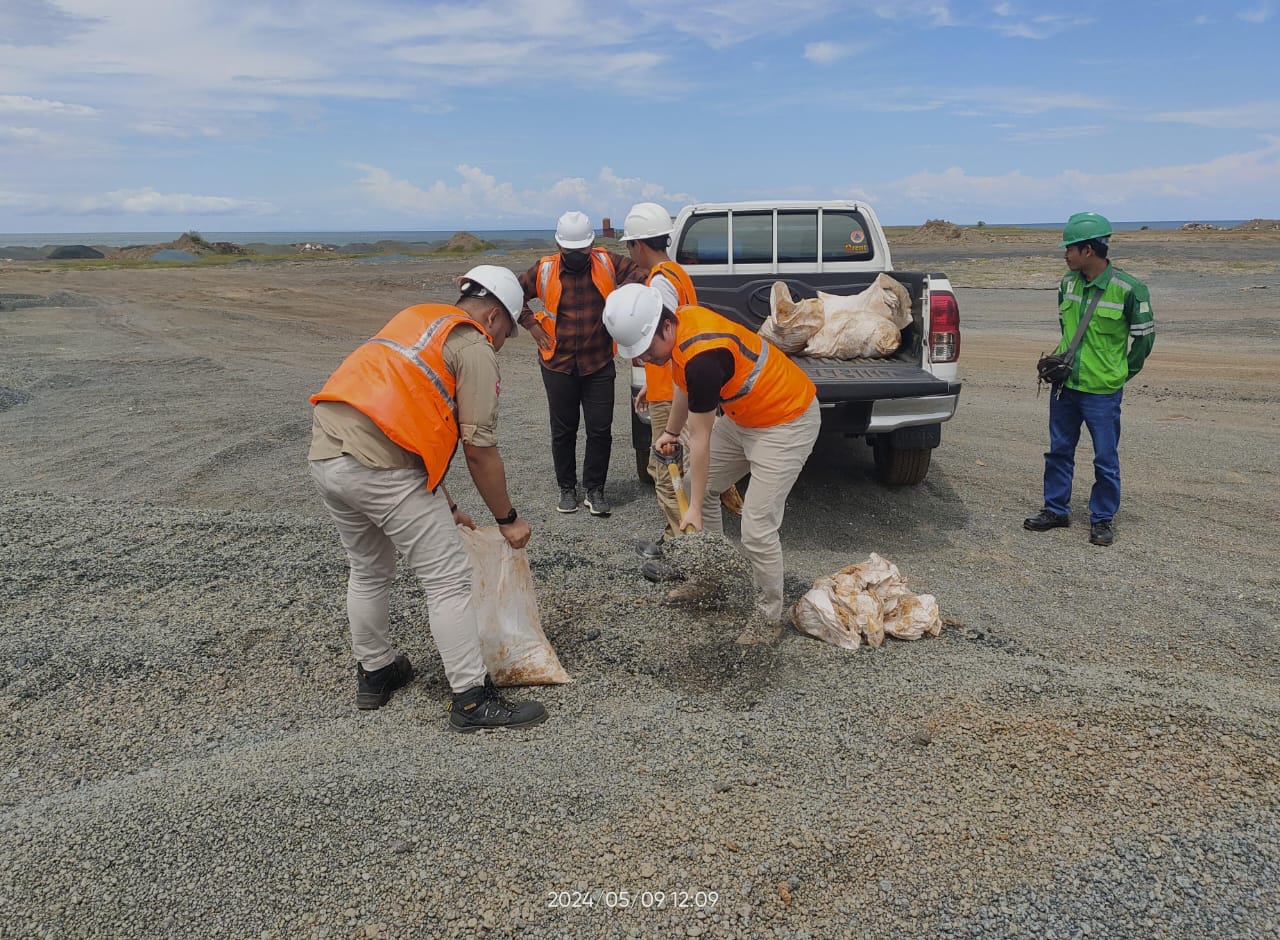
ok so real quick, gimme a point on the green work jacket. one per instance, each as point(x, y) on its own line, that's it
point(1120, 335)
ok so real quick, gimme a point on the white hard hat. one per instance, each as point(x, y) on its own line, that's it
point(631, 315)
point(574, 231)
point(646, 220)
point(499, 282)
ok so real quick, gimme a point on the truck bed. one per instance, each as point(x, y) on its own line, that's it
point(847, 388)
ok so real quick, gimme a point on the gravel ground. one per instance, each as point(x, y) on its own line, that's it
point(1089, 749)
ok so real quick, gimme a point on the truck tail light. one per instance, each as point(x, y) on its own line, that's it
point(944, 327)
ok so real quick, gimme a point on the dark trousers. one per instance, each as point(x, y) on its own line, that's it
point(592, 395)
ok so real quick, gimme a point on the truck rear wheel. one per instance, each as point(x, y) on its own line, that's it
point(900, 466)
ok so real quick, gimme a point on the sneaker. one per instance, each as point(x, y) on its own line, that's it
point(568, 501)
point(596, 503)
point(1101, 533)
point(483, 708)
point(1045, 520)
point(659, 572)
point(647, 549)
point(373, 689)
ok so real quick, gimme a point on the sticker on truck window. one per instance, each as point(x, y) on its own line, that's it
point(857, 243)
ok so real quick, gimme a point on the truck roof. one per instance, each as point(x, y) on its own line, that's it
point(774, 204)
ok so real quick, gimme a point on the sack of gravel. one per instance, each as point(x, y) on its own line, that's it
point(514, 648)
point(865, 602)
point(790, 324)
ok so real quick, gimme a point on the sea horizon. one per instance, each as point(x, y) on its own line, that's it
point(342, 237)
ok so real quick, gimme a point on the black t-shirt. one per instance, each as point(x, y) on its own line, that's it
point(706, 375)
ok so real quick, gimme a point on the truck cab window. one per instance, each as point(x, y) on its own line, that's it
point(845, 238)
point(753, 238)
point(705, 240)
point(797, 237)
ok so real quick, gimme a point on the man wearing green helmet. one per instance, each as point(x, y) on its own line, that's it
point(1118, 334)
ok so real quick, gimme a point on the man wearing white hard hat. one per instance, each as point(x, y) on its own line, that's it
point(576, 354)
point(768, 428)
point(385, 428)
point(647, 235)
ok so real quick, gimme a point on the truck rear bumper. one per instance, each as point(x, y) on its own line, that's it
point(893, 413)
point(885, 415)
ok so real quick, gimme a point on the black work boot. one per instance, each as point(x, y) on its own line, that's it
point(659, 572)
point(483, 708)
point(373, 689)
point(647, 549)
point(1045, 520)
point(1101, 533)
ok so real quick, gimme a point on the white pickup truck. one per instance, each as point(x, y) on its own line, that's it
point(734, 252)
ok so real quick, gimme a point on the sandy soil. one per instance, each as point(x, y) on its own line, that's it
point(1094, 717)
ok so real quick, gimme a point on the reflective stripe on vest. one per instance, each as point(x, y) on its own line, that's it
point(411, 353)
point(400, 381)
point(679, 278)
point(759, 359)
point(766, 389)
point(657, 379)
point(603, 275)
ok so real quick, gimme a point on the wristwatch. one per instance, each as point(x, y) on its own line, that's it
point(507, 519)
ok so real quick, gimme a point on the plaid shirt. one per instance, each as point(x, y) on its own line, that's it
point(583, 345)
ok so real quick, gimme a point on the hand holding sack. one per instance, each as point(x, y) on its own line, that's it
point(512, 644)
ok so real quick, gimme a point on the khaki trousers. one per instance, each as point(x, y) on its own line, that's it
point(379, 513)
point(659, 412)
point(774, 457)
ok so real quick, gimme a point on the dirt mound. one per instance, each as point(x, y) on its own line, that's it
point(1199, 227)
point(940, 230)
point(77, 252)
point(1258, 225)
point(465, 243)
point(190, 242)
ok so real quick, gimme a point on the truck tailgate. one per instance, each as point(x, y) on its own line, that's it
point(871, 379)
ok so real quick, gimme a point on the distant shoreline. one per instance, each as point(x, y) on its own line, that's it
point(505, 238)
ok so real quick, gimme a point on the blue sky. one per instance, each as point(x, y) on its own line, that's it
point(139, 115)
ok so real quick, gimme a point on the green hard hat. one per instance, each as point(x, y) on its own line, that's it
point(1083, 226)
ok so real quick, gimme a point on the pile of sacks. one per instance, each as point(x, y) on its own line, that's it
point(865, 325)
point(865, 602)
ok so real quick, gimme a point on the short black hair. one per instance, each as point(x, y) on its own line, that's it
point(1097, 244)
point(657, 243)
point(667, 316)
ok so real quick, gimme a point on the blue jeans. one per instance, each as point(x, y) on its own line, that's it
point(1101, 415)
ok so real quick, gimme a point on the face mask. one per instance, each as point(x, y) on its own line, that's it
point(575, 261)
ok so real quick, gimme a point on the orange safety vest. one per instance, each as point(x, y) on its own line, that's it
point(603, 276)
point(400, 381)
point(766, 389)
point(657, 379)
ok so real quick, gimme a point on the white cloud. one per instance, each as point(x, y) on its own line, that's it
point(1057, 133)
point(1014, 23)
point(479, 196)
point(1213, 184)
point(828, 53)
point(1259, 115)
point(27, 104)
point(1259, 14)
point(149, 201)
point(146, 201)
